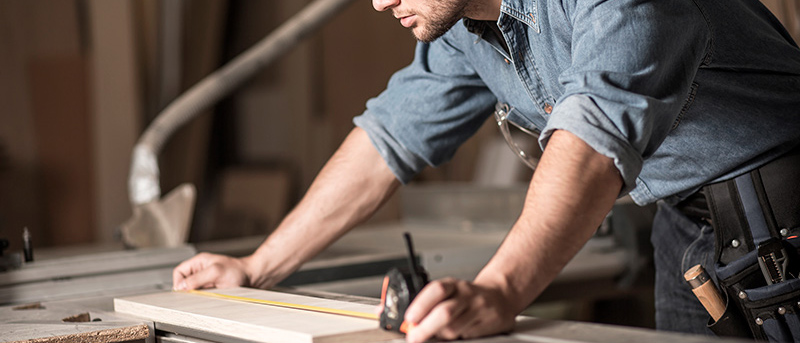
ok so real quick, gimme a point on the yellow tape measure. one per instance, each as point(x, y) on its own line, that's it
point(288, 305)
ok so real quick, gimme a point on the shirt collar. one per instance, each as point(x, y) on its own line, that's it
point(522, 10)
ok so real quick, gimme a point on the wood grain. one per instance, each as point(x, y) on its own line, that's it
point(255, 322)
point(72, 332)
point(64, 322)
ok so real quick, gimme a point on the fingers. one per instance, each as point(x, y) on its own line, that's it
point(430, 296)
point(186, 269)
point(438, 321)
point(453, 309)
point(208, 271)
point(435, 308)
point(206, 278)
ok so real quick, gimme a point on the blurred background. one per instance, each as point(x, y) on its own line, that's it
point(81, 79)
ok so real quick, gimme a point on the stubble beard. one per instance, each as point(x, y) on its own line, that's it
point(442, 16)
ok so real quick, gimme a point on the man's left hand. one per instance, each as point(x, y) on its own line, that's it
point(455, 309)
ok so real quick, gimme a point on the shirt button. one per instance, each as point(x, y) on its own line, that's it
point(548, 108)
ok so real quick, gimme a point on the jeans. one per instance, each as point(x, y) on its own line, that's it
point(678, 244)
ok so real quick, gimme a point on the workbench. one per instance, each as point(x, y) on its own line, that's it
point(71, 286)
point(117, 327)
point(454, 236)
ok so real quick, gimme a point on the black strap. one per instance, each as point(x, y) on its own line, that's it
point(755, 207)
point(734, 239)
point(752, 210)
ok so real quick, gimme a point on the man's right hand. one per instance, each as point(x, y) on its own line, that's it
point(211, 271)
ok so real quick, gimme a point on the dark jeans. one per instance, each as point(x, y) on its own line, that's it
point(678, 244)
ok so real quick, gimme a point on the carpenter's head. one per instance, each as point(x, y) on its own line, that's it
point(427, 19)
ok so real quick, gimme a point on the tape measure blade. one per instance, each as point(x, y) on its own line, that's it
point(303, 307)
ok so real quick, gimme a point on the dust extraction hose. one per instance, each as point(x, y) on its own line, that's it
point(143, 184)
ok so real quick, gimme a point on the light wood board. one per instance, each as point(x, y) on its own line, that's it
point(58, 322)
point(72, 332)
point(255, 322)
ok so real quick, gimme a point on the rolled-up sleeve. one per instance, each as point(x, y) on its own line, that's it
point(631, 73)
point(427, 110)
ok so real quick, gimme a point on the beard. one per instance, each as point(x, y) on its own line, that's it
point(441, 17)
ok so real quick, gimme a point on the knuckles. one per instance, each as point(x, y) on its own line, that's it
point(465, 302)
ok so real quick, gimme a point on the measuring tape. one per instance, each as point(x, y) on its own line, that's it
point(287, 305)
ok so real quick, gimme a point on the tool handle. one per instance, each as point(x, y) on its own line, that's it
point(709, 297)
point(705, 291)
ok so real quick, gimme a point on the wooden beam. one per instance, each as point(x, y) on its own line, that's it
point(255, 322)
point(60, 323)
point(116, 109)
point(73, 332)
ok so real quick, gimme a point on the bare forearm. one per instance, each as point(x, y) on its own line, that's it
point(572, 190)
point(351, 187)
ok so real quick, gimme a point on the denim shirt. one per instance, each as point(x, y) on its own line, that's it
point(678, 93)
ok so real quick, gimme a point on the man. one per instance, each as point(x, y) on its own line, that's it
point(652, 98)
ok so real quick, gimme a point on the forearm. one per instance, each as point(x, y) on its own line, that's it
point(349, 189)
point(572, 190)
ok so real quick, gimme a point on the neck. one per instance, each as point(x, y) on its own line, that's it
point(484, 10)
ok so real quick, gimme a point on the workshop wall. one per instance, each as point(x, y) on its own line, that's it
point(80, 79)
point(287, 121)
point(46, 183)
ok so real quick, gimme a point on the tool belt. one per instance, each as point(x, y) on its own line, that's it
point(756, 220)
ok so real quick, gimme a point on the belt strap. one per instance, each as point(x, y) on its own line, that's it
point(752, 208)
point(741, 209)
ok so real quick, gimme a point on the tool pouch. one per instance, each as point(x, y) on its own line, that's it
point(757, 309)
point(731, 324)
point(756, 220)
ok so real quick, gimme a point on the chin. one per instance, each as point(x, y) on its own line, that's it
point(427, 32)
point(423, 35)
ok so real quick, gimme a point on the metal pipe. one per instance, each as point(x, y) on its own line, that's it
point(143, 184)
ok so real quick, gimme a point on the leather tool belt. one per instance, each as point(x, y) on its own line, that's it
point(756, 220)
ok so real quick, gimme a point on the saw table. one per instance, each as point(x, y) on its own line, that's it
point(459, 246)
point(180, 317)
point(84, 286)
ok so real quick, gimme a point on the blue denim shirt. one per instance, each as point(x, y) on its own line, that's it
point(679, 93)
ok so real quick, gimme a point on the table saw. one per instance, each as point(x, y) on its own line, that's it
point(176, 317)
point(82, 288)
point(456, 230)
point(455, 236)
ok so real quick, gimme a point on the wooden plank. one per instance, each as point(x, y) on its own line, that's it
point(53, 322)
point(64, 148)
point(115, 108)
point(58, 95)
point(200, 26)
point(143, 270)
point(20, 196)
point(133, 282)
point(97, 264)
point(73, 332)
point(255, 322)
